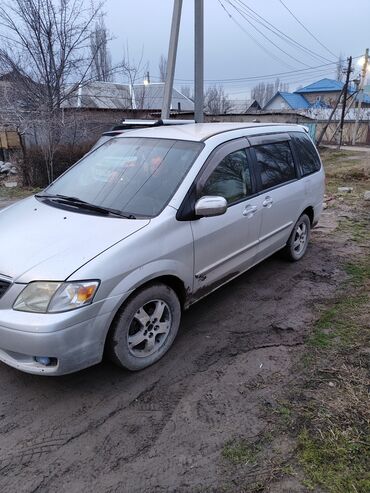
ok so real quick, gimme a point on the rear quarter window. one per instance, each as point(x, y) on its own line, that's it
point(308, 157)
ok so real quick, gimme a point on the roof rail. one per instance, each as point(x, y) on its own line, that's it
point(137, 123)
point(176, 122)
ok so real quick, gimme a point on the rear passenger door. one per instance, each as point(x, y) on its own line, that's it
point(280, 190)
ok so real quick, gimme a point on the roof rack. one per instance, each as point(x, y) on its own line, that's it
point(131, 124)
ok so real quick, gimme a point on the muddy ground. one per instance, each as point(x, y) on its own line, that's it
point(168, 428)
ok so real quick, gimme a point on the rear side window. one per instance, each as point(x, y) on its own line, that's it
point(275, 164)
point(307, 154)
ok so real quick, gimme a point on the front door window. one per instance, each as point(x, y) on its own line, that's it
point(231, 178)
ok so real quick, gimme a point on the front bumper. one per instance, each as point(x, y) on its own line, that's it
point(76, 347)
point(75, 339)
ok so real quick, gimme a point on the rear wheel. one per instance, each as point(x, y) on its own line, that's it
point(298, 241)
point(146, 327)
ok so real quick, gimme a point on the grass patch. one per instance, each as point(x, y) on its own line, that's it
point(346, 169)
point(332, 155)
point(284, 412)
point(359, 231)
point(337, 324)
point(240, 452)
point(336, 460)
point(359, 273)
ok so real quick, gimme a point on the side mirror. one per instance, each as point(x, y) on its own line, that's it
point(210, 206)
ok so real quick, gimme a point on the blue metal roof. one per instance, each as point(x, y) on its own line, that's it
point(323, 85)
point(295, 101)
point(365, 98)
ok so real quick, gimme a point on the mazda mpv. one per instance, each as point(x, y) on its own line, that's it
point(107, 257)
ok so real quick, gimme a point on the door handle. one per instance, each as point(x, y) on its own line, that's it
point(249, 210)
point(267, 202)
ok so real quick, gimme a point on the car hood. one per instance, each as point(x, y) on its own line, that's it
point(41, 242)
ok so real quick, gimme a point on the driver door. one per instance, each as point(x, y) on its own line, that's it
point(226, 245)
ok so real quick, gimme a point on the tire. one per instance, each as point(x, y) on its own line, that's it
point(145, 327)
point(298, 240)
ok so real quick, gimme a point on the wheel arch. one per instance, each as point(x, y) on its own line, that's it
point(309, 211)
point(169, 280)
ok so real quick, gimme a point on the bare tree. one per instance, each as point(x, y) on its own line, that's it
point(263, 92)
point(102, 62)
point(134, 71)
point(269, 92)
point(259, 93)
point(45, 51)
point(188, 92)
point(216, 102)
point(162, 66)
point(280, 86)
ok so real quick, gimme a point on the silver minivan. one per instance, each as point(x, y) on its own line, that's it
point(106, 258)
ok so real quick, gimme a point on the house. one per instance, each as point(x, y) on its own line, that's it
point(286, 101)
point(248, 106)
point(114, 96)
point(325, 91)
point(318, 95)
point(150, 97)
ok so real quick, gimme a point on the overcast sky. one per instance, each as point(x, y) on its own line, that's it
point(234, 49)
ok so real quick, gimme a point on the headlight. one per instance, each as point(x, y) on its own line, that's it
point(53, 297)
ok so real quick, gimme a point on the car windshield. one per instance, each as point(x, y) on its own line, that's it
point(133, 175)
point(99, 142)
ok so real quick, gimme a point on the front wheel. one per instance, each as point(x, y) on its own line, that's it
point(145, 327)
point(298, 240)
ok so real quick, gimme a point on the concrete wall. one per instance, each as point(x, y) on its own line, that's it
point(260, 117)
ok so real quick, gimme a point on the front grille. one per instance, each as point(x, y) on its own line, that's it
point(4, 286)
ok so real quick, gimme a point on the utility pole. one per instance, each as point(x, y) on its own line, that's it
point(171, 59)
point(199, 60)
point(360, 95)
point(353, 96)
point(322, 133)
point(345, 91)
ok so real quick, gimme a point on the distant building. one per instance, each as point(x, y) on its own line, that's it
point(150, 97)
point(318, 95)
point(286, 101)
point(113, 96)
point(324, 92)
point(248, 106)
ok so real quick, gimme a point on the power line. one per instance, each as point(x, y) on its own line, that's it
point(289, 81)
point(303, 71)
point(261, 76)
point(271, 27)
point(242, 14)
point(275, 57)
point(306, 29)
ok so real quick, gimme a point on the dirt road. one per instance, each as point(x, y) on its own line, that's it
point(165, 429)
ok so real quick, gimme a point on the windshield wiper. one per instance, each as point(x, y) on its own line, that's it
point(82, 204)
